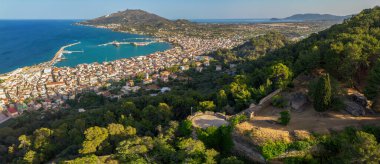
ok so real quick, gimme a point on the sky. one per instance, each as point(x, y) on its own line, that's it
point(175, 9)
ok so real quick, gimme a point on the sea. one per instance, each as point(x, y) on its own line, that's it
point(30, 42)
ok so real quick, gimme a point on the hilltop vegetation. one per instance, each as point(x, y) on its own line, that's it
point(141, 128)
point(135, 19)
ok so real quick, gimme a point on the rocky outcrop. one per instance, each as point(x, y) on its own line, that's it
point(354, 108)
point(359, 99)
point(247, 150)
point(298, 100)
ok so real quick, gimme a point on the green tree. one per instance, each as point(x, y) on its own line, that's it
point(116, 129)
point(217, 138)
point(189, 147)
point(94, 137)
point(365, 148)
point(281, 75)
point(323, 94)
point(89, 159)
point(221, 99)
point(134, 148)
point(31, 157)
point(210, 156)
point(241, 94)
point(25, 142)
point(185, 128)
point(231, 160)
point(207, 106)
point(372, 90)
point(166, 111)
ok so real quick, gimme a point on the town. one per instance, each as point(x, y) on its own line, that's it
point(48, 87)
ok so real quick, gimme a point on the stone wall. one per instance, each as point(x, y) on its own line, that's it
point(263, 103)
point(200, 113)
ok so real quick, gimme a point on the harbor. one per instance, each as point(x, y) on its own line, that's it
point(58, 56)
point(117, 44)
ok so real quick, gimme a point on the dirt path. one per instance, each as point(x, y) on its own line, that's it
point(311, 120)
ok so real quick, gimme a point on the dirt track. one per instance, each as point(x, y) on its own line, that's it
point(311, 120)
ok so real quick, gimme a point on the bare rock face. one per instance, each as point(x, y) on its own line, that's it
point(298, 100)
point(360, 99)
point(354, 108)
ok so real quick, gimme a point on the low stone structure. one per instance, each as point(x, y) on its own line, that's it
point(207, 119)
point(250, 112)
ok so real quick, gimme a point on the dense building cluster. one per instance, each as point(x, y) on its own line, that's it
point(48, 87)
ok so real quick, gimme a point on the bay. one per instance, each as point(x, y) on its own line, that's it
point(30, 42)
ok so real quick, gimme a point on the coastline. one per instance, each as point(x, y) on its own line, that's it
point(59, 53)
point(54, 85)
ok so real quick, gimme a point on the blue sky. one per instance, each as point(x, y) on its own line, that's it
point(174, 9)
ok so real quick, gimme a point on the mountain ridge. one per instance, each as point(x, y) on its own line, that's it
point(314, 17)
point(134, 17)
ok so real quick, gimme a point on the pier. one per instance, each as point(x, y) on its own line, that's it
point(60, 52)
point(131, 43)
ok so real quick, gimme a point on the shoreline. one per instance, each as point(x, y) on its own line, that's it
point(56, 84)
point(59, 53)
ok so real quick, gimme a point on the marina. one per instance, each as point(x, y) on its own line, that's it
point(58, 56)
point(117, 44)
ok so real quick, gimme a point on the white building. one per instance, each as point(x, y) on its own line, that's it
point(2, 94)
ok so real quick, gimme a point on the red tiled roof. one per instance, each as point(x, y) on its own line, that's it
point(12, 110)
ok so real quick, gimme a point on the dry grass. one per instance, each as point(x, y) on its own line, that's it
point(302, 135)
point(260, 136)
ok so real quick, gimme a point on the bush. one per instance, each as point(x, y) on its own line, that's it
point(300, 145)
point(231, 160)
point(279, 102)
point(273, 149)
point(219, 139)
point(238, 119)
point(185, 128)
point(284, 118)
point(301, 159)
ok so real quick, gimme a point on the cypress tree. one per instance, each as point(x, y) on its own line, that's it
point(323, 94)
point(221, 99)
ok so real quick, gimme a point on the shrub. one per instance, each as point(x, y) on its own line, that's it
point(185, 128)
point(231, 160)
point(279, 102)
point(272, 149)
point(238, 119)
point(300, 145)
point(284, 118)
point(207, 106)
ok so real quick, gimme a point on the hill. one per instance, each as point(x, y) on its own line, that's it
point(137, 21)
point(130, 17)
point(143, 128)
point(314, 17)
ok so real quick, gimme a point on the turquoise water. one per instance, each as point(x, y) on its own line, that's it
point(29, 42)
